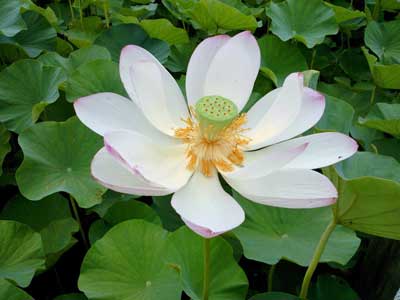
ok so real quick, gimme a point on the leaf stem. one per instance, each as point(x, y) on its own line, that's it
point(78, 219)
point(81, 14)
point(373, 92)
point(316, 257)
point(314, 52)
point(376, 11)
point(105, 8)
point(71, 9)
point(271, 273)
point(206, 271)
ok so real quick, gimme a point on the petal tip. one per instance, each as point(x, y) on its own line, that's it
point(200, 230)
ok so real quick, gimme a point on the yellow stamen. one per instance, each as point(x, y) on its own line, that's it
point(224, 151)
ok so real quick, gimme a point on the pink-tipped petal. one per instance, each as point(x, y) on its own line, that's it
point(203, 202)
point(202, 231)
point(278, 115)
point(161, 162)
point(262, 162)
point(153, 89)
point(311, 111)
point(198, 66)
point(105, 112)
point(324, 149)
point(112, 174)
point(233, 70)
point(287, 188)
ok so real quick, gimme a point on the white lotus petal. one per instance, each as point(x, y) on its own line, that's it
point(152, 88)
point(324, 149)
point(159, 162)
point(287, 188)
point(105, 112)
point(199, 64)
point(204, 203)
point(279, 115)
point(234, 69)
point(112, 174)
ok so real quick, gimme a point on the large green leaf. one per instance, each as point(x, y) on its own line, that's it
point(4, 145)
point(83, 34)
point(50, 217)
point(384, 40)
point(331, 288)
point(115, 38)
point(21, 252)
point(279, 59)
point(11, 292)
point(119, 212)
point(307, 21)
point(368, 195)
point(57, 158)
point(338, 116)
point(11, 21)
point(228, 281)
point(385, 76)
point(26, 88)
point(132, 209)
point(76, 58)
point(213, 16)
point(38, 36)
point(384, 117)
point(163, 29)
point(348, 18)
point(365, 164)
point(94, 77)
point(129, 263)
point(270, 233)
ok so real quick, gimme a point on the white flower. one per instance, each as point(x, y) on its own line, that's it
point(156, 145)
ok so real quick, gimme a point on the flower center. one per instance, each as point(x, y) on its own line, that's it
point(214, 135)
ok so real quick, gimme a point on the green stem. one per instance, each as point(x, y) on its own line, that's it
point(78, 219)
point(271, 277)
point(373, 92)
point(71, 9)
point(377, 9)
point(206, 271)
point(81, 14)
point(316, 257)
point(314, 52)
point(105, 8)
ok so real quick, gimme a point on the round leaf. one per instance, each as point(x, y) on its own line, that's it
point(331, 288)
point(10, 18)
point(11, 292)
point(94, 77)
point(307, 21)
point(38, 36)
point(51, 217)
point(270, 233)
point(279, 59)
point(115, 38)
point(57, 158)
point(128, 263)
point(21, 252)
point(384, 40)
point(26, 87)
point(227, 279)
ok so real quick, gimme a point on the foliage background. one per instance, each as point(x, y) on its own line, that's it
point(52, 52)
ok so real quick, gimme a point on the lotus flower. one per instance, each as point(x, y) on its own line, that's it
point(156, 143)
